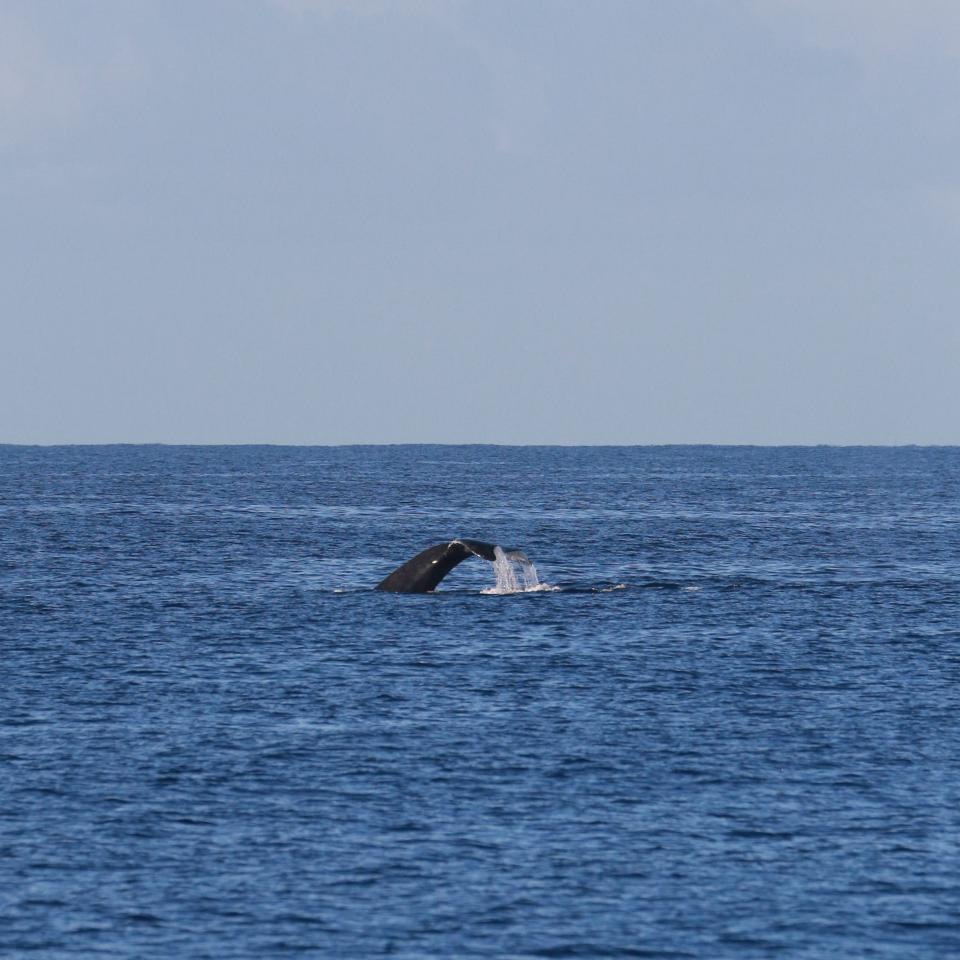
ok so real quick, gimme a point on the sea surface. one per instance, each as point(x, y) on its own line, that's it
point(731, 731)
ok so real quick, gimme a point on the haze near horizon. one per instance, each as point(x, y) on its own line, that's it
point(364, 221)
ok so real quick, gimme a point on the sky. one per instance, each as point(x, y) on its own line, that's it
point(452, 221)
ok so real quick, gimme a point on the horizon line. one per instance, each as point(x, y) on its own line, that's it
point(483, 443)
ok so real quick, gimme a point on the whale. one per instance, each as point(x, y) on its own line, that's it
point(422, 573)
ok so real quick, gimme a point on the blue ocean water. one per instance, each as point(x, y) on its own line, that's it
point(731, 732)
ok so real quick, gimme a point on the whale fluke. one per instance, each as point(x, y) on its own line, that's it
point(422, 573)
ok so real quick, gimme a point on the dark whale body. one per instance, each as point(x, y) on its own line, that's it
point(422, 573)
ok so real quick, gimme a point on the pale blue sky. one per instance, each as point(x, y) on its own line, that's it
point(535, 221)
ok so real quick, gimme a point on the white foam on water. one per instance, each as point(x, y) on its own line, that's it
point(515, 574)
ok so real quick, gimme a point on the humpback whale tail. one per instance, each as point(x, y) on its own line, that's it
point(422, 573)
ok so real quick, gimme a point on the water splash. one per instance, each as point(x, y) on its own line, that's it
point(514, 572)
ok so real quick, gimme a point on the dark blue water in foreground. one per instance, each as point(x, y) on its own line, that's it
point(733, 732)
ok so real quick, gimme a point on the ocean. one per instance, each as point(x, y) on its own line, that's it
point(728, 725)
